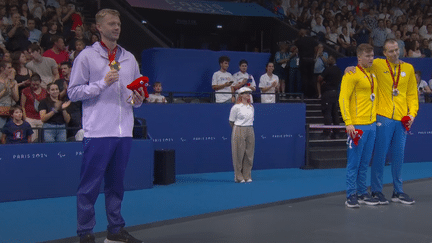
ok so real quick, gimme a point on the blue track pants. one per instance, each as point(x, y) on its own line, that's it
point(358, 160)
point(391, 137)
point(103, 159)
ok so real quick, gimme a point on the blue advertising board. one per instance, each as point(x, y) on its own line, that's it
point(31, 171)
point(200, 134)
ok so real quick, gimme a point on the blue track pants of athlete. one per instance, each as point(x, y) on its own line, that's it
point(391, 137)
point(103, 159)
point(358, 160)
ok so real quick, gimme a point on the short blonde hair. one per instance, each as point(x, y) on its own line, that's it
point(364, 48)
point(104, 12)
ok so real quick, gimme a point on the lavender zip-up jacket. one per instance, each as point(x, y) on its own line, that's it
point(105, 110)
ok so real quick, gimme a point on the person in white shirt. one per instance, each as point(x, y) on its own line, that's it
point(243, 137)
point(319, 27)
point(156, 97)
point(422, 87)
point(428, 34)
point(34, 34)
point(424, 29)
point(243, 79)
point(222, 81)
point(269, 83)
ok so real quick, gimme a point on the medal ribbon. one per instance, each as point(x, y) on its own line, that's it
point(111, 54)
point(371, 81)
point(395, 83)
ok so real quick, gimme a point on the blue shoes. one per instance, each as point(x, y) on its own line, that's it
point(367, 199)
point(380, 197)
point(402, 198)
point(352, 201)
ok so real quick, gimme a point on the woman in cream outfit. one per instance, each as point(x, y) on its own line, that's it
point(243, 138)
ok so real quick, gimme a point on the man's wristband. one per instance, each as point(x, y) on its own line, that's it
point(54, 110)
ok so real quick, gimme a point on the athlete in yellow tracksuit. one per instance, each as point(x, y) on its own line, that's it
point(358, 107)
point(397, 97)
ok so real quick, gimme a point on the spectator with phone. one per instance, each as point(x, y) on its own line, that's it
point(18, 35)
point(222, 81)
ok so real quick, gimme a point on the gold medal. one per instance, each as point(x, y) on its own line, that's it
point(115, 65)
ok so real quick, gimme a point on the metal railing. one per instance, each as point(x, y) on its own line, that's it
point(210, 97)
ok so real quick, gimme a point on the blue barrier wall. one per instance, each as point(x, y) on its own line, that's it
point(201, 135)
point(186, 70)
point(420, 136)
point(32, 171)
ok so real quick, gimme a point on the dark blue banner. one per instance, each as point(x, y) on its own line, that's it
point(420, 136)
point(204, 7)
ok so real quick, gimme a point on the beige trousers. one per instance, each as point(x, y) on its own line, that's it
point(34, 123)
point(243, 148)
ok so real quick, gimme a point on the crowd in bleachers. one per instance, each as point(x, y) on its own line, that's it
point(345, 24)
point(364, 21)
point(39, 41)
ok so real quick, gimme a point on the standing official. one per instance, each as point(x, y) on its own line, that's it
point(99, 78)
point(243, 137)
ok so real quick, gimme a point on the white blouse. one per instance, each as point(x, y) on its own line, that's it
point(266, 81)
point(242, 115)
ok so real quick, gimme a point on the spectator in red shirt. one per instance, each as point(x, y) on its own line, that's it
point(58, 51)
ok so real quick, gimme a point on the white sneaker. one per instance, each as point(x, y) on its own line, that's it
point(249, 180)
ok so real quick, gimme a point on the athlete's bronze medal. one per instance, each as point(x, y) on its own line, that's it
point(115, 65)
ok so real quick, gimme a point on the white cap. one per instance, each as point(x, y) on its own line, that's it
point(243, 90)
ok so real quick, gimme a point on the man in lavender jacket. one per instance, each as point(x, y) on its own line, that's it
point(100, 82)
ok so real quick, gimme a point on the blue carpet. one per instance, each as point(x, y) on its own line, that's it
point(55, 218)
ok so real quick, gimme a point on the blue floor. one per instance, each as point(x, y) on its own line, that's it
point(50, 219)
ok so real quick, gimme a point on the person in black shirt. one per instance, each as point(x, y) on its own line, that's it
point(18, 35)
point(330, 81)
point(53, 114)
point(306, 46)
point(75, 108)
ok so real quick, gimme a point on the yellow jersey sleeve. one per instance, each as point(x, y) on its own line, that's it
point(412, 94)
point(348, 84)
